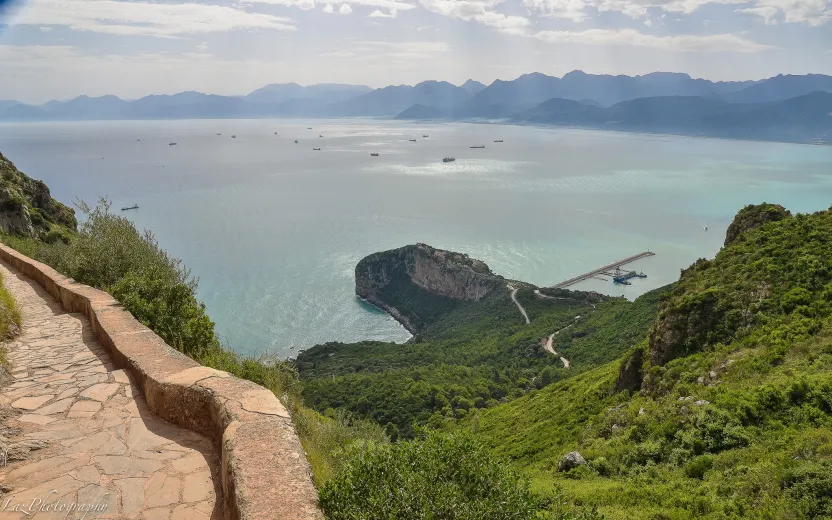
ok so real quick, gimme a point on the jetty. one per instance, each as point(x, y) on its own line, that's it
point(607, 270)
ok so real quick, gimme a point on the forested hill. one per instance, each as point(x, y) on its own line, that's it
point(723, 410)
point(473, 348)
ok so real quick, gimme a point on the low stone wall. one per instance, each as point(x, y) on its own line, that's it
point(265, 474)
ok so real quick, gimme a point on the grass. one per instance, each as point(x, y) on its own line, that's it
point(10, 320)
point(734, 416)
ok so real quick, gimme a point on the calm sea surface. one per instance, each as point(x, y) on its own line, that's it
point(274, 229)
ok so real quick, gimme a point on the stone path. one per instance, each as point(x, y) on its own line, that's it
point(101, 446)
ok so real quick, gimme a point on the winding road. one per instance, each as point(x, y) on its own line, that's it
point(548, 345)
point(514, 298)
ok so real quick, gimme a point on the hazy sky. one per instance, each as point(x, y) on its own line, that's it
point(63, 48)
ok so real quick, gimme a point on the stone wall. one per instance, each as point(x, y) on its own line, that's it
point(265, 474)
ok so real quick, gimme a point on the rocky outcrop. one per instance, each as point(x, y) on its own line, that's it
point(28, 209)
point(752, 217)
point(571, 460)
point(706, 307)
point(630, 374)
point(398, 280)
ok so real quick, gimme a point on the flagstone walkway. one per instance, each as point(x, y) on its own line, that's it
point(99, 445)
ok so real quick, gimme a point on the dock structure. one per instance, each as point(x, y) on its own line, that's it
point(606, 270)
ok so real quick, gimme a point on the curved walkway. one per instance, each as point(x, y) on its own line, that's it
point(514, 298)
point(94, 441)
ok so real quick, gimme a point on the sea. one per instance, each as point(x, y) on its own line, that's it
point(274, 229)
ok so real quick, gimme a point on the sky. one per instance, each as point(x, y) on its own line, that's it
point(59, 49)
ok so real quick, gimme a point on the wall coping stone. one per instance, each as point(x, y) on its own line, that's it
point(264, 471)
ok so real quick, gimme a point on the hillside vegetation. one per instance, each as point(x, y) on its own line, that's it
point(27, 208)
point(729, 409)
point(474, 355)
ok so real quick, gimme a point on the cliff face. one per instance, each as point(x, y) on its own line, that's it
point(774, 271)
point(28, 209)
point(412, 281)
point(752, 217)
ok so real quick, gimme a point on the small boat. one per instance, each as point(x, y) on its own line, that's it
point(134, 206)
point(219, 133)
point(316, 149)
point(448, 159)
point(413, 140)
point(296, 141)
point(498, 141)
point(138, 139)
point(309, 128)
point(275, 133)
point(374, 154)
point(233, 137)
point(172, 143)
point(319, 135)
point(424, 135)
point(480, 146)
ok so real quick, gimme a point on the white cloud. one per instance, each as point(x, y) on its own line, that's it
point(648, 23)
point(633, 38)
point(345, 9)
point(480, 11)
point(144, 18)
point(379, 14)
point(390, 5)
point(336, 54)
point(329, 9)
point(812, 12)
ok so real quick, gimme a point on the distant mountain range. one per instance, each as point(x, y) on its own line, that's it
point(783, 108)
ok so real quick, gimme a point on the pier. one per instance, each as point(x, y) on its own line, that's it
point(606, 270)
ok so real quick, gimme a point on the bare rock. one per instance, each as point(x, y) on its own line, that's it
point(571, 460)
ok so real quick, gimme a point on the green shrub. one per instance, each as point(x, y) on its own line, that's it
point(10, 319)
point(698, 466)
point(443, 476)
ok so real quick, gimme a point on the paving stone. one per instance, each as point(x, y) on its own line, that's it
point(32, 403)
point(200, 511)
point(83, 409)
point(190, 463)
point(101, 391)
point(161, 490)
point(121, 465)
point(35, 419)
point(88, 474)
point(161, 513)
point(69, 392)
point(141, 438)
point(120, 376)
point(103, 500)
point(36, 467)
point(56, 407)
point(197, 487)
point(132, 495)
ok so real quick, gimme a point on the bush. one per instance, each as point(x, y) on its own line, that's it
point(699, 466)
point(443, 476)
point(10, 320)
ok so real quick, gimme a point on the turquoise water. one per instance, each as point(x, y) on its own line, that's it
point(274, 229)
